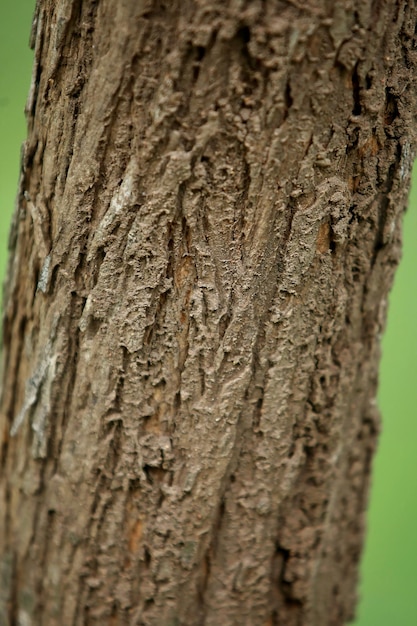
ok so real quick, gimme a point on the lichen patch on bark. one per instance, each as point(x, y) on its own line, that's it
point(206, 231)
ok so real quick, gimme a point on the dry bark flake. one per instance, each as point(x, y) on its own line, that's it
point(207, 227)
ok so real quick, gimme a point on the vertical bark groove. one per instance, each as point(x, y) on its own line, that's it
point(207, 227)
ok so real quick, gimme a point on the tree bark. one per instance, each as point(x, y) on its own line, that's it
point(206, 232)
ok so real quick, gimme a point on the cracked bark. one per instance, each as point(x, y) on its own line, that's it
point(207, 227)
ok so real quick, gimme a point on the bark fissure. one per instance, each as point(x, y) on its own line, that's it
point(207, 227)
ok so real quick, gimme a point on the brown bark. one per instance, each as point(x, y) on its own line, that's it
point(207, 227)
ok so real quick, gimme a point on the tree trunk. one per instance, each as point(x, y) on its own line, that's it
point(206, 231)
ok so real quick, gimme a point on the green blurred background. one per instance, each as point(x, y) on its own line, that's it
point(389, 569)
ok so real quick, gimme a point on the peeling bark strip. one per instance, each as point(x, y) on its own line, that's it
point(207, 227)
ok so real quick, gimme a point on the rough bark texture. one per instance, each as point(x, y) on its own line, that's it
point(206, 231)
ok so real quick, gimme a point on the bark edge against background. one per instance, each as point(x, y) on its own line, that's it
point(207, 228)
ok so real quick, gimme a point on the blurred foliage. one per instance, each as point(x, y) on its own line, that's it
point(389, 580)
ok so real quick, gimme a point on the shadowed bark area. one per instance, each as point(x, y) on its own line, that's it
point(207, 227)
